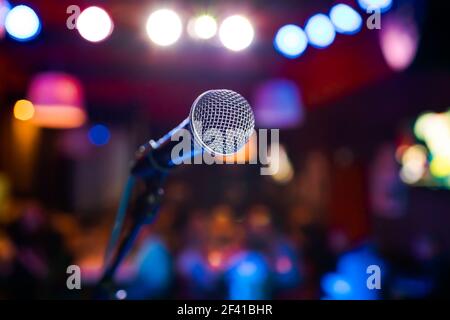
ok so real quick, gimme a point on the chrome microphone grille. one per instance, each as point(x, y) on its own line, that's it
point(221, 121)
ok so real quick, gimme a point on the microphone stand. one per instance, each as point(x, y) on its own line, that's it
point(152, 164)
point(144, 212)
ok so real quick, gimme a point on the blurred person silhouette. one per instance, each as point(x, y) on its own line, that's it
point(283, 260)
point(196, 280)
point(41, 258)
point(215, 240)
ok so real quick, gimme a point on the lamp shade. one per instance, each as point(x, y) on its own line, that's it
point(58, 99)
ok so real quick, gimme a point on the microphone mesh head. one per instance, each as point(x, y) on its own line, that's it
point(221, 121)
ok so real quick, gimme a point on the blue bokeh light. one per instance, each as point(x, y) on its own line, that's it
point(320, 31)
point(248, 277)
point(22, 23)
point(278, 104)
point(99, 135)
point(345, 19)
point(291, 41)
point(336, 286)
point(349, 282)
point(382, 5)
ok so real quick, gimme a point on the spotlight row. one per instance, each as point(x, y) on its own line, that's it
point(320, 30)
point(164, 27)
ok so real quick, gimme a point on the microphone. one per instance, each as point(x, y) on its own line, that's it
point(220, 122)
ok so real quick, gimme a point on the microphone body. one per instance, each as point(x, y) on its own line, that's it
point(219, 111)
point(156, 156)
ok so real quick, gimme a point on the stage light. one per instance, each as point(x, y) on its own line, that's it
point(382, 5)
point(164, 27)
point(203, 27)
point(236, 33)
point(421, 125)
point(320, 31)
point(94, 24)
point(291, 41)
point(22, 23)
point(437, 135)
point(345, 19)
point(399, 41)
point(23, 110)
point(99, 135)
point(440, 166)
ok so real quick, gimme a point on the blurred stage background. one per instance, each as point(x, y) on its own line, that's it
point(365, 137)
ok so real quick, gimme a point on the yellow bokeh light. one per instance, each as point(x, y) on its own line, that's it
point(23, 110)
point(423, 122)
point(440, 167)
point(204, 27)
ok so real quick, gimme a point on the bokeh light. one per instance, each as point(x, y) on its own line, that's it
point(280, 166)
point(58, 99)
point(382, 5)
point(236, 33)
point(4, 9)
point(349, 282)
point(278, 104)
point(421, 124)
point(121, 294)
point(399, 41)
point(434, 129)
point(203, 27)
point(440, 166)
point(320, 31)
point(415, 155)
point(99, 135)
point(164, 27)
point(23, 110)
point(345, 19)
point(413, 161)
point(437, 135)
point(336, 286)
point(22, 23)
point(291, 41)
point(411, 175)
point(94, 24)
